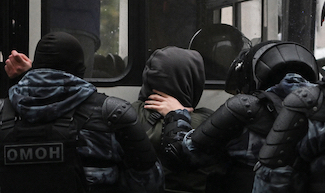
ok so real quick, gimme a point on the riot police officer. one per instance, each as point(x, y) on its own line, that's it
point(292, 159)
point(260, 78)
point(58, 134)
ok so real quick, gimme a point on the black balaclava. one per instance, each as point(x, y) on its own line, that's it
point(60, 51)
point(177, 72)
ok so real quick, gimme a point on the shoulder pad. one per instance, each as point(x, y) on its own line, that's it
point(243, 106)
point(118, 112)
point(307, 100)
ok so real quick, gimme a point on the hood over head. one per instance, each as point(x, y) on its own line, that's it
point(177, 72)
point(60, 51)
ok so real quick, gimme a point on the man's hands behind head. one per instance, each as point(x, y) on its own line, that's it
point(164, 103)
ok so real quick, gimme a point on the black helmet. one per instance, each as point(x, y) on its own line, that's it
point(219, 44)
point(265, 65)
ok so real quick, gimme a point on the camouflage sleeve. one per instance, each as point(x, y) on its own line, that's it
point(313, 144)
point(198, 158)
point(279, 180)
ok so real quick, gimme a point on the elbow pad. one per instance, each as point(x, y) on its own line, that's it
point(228, 122)
point(287, 131)
point(291, 126)
point(118, 113)
point(139, 153)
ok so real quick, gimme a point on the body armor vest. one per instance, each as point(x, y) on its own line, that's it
point(40, 157)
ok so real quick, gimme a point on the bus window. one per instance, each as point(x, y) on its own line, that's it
point(110, 60)
point(260, 20)
point(125, 32)
point(226, 15)
point(250, 19)
point(320, 37)
point(101, 26)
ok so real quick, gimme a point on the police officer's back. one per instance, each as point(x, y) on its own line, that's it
point(60, 135)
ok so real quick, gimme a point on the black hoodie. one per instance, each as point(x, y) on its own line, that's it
point(177, 72)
